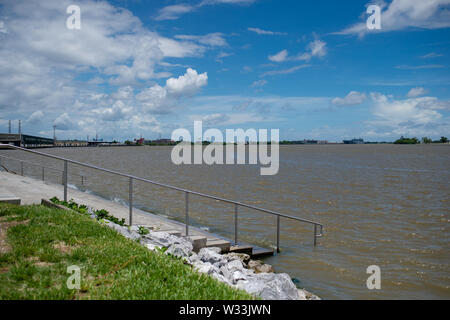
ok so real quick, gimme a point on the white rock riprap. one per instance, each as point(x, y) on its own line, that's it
point(234, 269)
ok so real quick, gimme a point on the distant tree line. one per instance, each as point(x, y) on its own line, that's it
point(425, 140)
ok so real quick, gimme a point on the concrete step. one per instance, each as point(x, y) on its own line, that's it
point(242, 249)
point(173, 232)
point(10, 199)
point(261, 252)
point(7, 197)
point(198, 242)
point(222, 244)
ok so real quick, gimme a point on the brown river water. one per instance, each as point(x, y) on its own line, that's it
point(385, 205)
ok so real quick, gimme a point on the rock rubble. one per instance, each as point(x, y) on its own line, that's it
point(234, 269)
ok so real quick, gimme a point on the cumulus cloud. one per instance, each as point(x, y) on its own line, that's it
point(118, 111)
point(41, 67)
point(352, 98)
point(64, 122)
point(404, 14)
point(415, 92)
point(36, 117)
point(413, 116)
point(161, 100)
point(215, 119)
point(154, 99)
point(187, 84)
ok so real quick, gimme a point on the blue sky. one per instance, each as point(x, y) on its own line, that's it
point(310, 69)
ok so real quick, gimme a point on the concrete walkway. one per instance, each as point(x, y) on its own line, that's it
point(32, 191)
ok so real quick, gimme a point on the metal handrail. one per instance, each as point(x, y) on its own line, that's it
point(186, 191)
point(42, 166)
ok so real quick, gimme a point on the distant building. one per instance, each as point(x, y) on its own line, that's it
point(71, 143)
point(354, 141)
point(160, 142)
point(25, 140)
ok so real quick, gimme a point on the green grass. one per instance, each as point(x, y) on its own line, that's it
point(43, 242)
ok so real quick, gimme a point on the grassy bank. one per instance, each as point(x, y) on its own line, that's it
point(37, 244)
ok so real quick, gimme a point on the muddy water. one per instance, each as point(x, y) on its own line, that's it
point(384, 205)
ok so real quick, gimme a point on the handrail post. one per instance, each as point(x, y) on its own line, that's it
point(315, 234)
point(65, 180)
point(82, 180)
point(235, 224)
point(278, 233)
point(130, 200)
point(187, 213)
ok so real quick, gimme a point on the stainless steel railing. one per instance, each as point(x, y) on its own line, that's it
point(83, 178)
point(317, 225)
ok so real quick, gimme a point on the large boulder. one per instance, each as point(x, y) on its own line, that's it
point(166, 239)
point(180, 250)
point(125, 231)
point(270, 286)
point(235, 265)
point(212, 256)
point(259, 267)
point(206, 267)
point(243, 257)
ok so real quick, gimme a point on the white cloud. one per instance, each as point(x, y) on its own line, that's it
point(64, 122)
point(431, 55)
point(222, 55)
point(212, 2)
point(279, 57)
point(2, 27)
point(284, 71)
point(173, 12)
point(265, 32)
point(36, 117)
point(415, 92)
point(404, 14)
point(154, 99)
point(123, 93)
point(158, 99)
point(118, 111)
point(316, 48)
point(427, 66)
point(352, 98)
point(211, 39)
point(214, 119)
point(187, 84)
point(259, 83)
point(412, 117)
point(41, 67)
